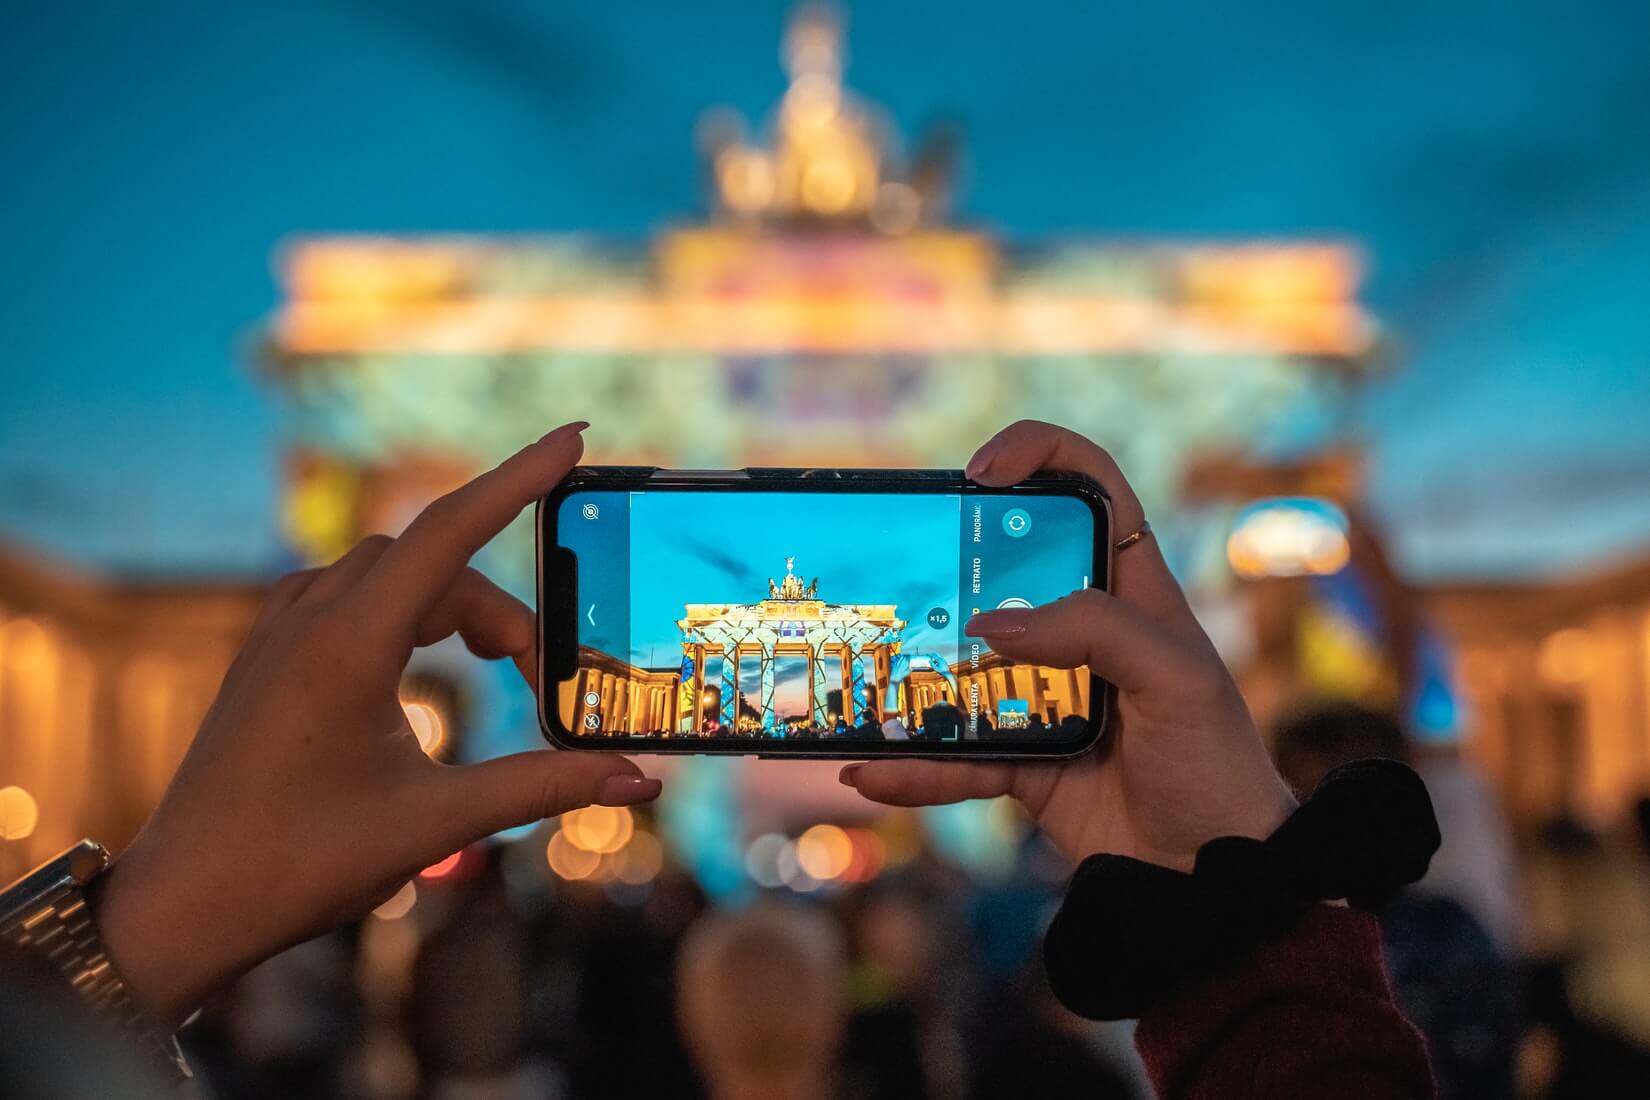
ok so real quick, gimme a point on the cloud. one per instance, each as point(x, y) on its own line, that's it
point(735, 570)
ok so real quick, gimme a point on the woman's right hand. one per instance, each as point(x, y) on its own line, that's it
point(1182, 763)
point(305, 799)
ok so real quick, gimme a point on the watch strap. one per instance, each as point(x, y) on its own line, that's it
point(46, 914)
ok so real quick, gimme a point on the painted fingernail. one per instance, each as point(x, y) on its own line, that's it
point(998, 624)
point(982, 457)
point(566, 429)
point(850, 775)
point(627, 790)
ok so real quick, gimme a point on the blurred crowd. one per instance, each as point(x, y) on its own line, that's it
point(1523, 960)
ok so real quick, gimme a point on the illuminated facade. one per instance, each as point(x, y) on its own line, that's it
point(1053, 693)
point(850, 644)
point(635, 700)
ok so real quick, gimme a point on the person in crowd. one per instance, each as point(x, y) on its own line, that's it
point(305, 800)
point(1072, 726)
point(868, 729)
point(760, 999)
point(469, 1005)
point(911, 984)
point(1451, 978)
point(942, 722)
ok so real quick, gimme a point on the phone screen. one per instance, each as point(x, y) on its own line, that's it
point(818, 616)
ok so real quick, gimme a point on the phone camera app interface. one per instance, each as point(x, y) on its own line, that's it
point(817, 616)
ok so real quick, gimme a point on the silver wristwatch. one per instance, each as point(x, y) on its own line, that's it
point(45, 913)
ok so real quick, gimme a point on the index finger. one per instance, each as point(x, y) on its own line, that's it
point(413, 572)
point(1139, 574)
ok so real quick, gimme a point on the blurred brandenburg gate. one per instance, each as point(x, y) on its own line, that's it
point(829, 309)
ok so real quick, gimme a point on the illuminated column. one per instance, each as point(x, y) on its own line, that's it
point(857, 686)
point(607, 698)
point(697, 700)
point(816, 679)
point(884, 674)
point(573, 690)
point(848, 657)
point(767, 687)
point(730, 688)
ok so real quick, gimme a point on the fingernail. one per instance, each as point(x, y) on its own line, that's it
point(566, 429)
point(982, 457)
point(848, 775)
point(998, 624)
point(627, 790)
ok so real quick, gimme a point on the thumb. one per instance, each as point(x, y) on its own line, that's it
point(531, 786)
point(1116, 640)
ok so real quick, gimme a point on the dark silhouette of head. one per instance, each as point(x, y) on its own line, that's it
point(1310, 742)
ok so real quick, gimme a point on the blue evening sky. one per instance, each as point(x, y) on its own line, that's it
point(1493, 158)
point(914, 552)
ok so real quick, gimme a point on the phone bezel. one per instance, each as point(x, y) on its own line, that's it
point(561, 591)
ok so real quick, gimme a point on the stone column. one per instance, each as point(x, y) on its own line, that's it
point(768, 720)
point(730, 687)
point(817, 683)
point(884, 675)
point(848, 658)
point(698, 653)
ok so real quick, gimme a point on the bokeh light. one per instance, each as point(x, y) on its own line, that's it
point(791, 872)
point(399, 905)
point(762, 860)
point(869, 855)
point(444, 867)
point(426, 723)
point(825, 852)
point(641, 860)
point(19, 813)
point(1289, 537)
point(570, 861)
point(600, 829)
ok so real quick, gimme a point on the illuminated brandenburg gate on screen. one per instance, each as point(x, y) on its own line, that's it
point(854, 644)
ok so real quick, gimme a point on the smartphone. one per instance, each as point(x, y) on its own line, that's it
point(811, 612)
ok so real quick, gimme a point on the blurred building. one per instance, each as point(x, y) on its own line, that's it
point(1556, 677)
point(102, 684)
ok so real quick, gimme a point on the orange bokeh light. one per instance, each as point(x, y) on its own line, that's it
point(599, 829)
point(570, 862)
point(443, 868)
